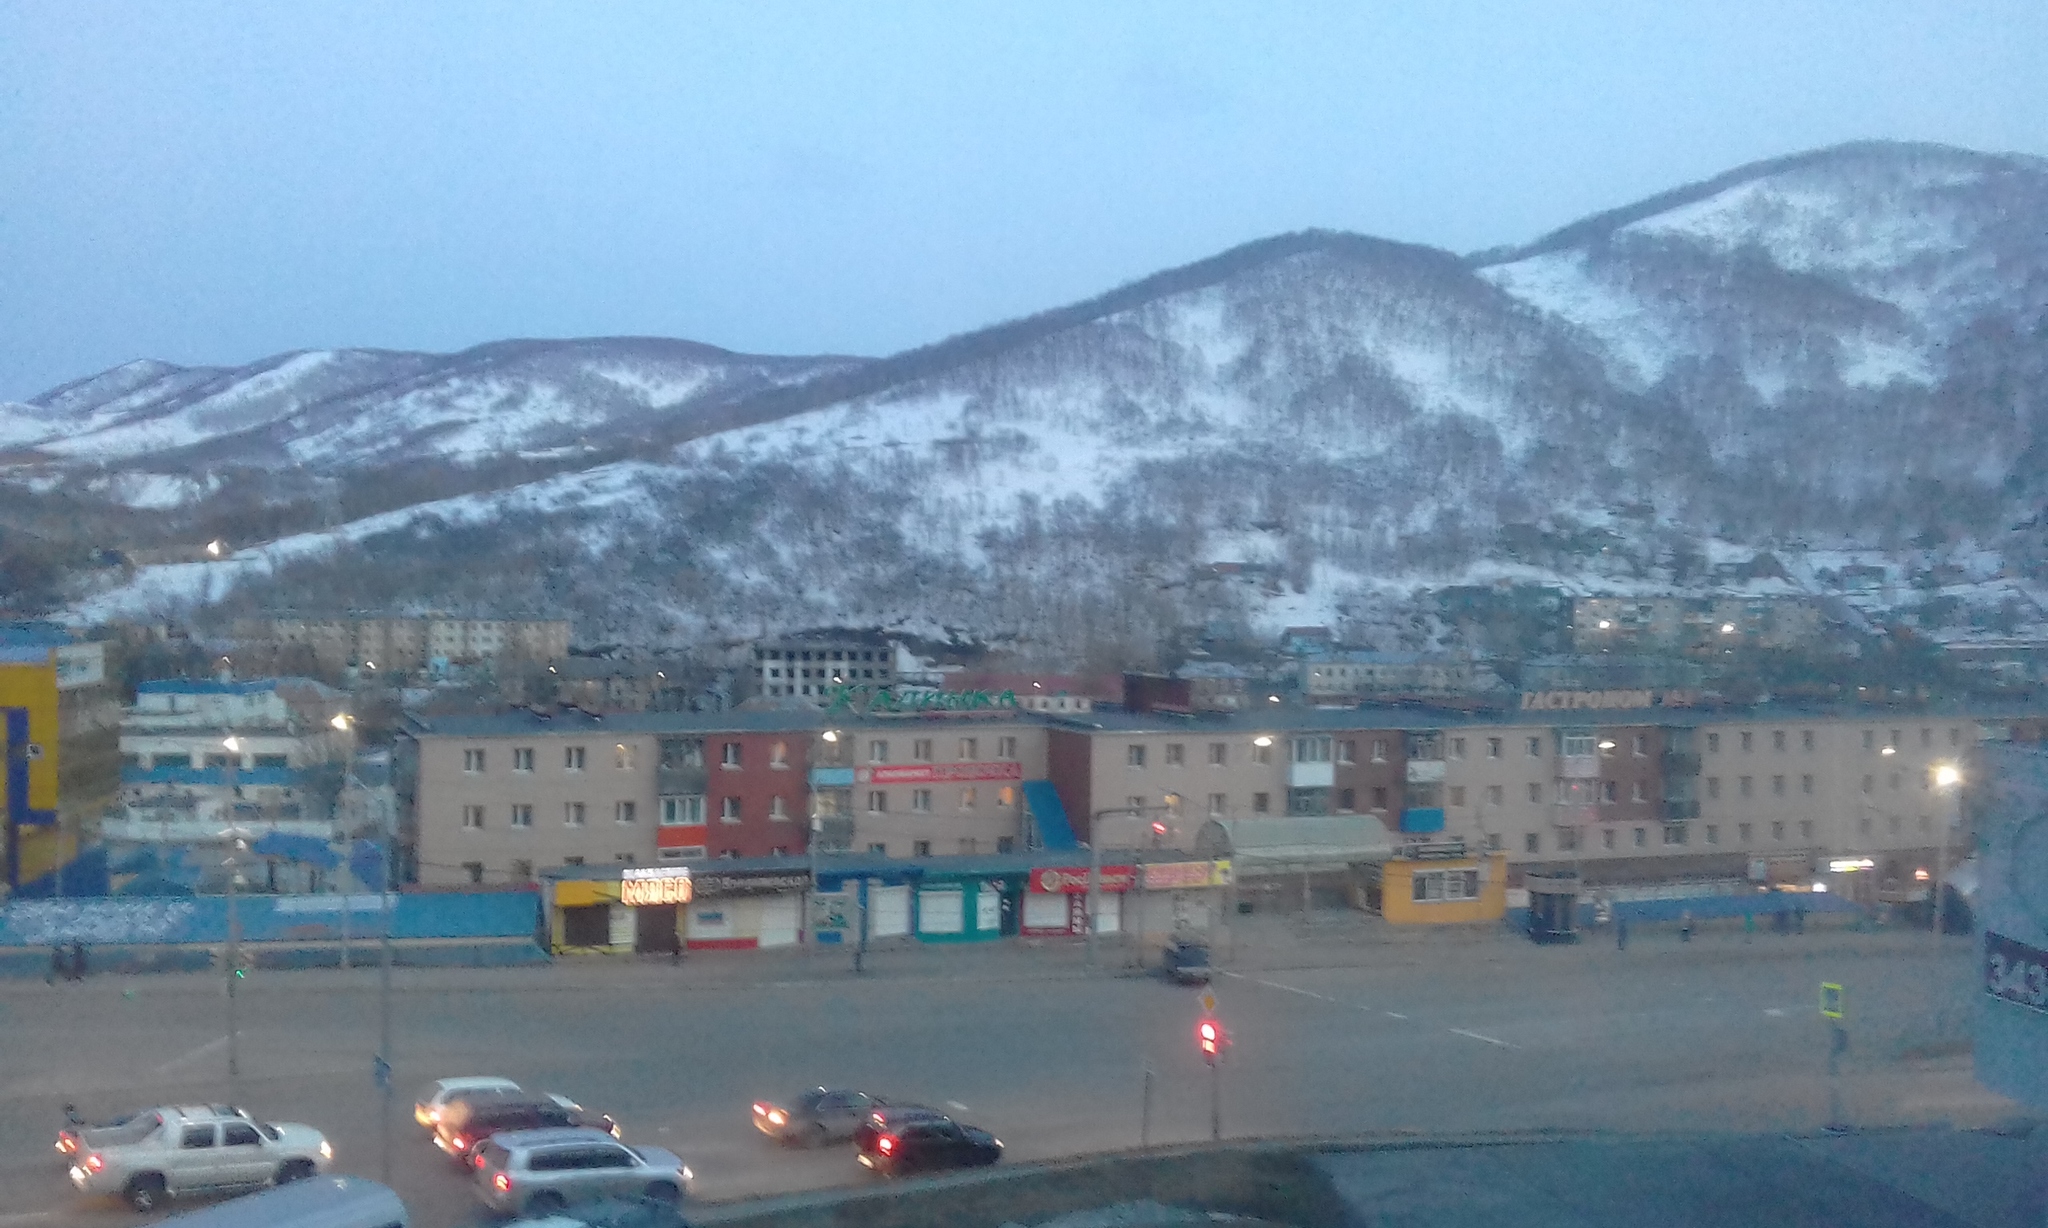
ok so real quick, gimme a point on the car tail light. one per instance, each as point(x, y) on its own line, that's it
point(479, 1160)
point(760, 1108)
point(885, 1144)
point(94, 1163)
point(459, 1143)
point(502, 1183)
point(67, 1145)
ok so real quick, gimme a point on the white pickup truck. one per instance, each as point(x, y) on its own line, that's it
point(164, 1152)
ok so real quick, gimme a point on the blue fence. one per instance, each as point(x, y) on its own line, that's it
point(119, 921)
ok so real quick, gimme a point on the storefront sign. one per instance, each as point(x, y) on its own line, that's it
point(1068, 882)
point(750, 884)
point(1557, 701)
point(1182, 875)
point(937, 773)
point(81, 665)
point(654, 885)
point(886, 701)
point(2015, 972)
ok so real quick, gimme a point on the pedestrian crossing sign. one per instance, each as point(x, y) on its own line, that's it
point(1208, 1003)
point(1832, 1003)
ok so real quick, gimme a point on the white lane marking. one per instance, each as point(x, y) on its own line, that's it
point(957, 1106)
point(194, 1055)
point(1306, 993)
point(1394, 1014)
point(27, 1217)
point(1488, 1039)
point(1775, 1012)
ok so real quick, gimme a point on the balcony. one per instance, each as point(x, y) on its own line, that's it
point(1678, 811)
point(1423, 818)
point(1578, 767)
point(676, 781)
point(1313, 775)
point(831, 778)
point(1574, 814)
point(1425, 771)
point(1681, 763)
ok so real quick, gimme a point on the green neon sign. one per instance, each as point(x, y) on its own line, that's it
point(881, 701)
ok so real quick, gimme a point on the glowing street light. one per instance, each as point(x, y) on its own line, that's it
point(1889, 750)
point(1264, 739)
point(1727, 628)
point(214, 548)
point(830, 735)
point(1947, 776)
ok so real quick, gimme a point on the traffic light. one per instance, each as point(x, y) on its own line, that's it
point(1209, 1035)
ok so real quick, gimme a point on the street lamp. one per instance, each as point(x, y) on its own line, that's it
point(236, 843)
point(347, 721)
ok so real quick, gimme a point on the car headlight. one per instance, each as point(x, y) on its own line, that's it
point(326, 1150)
point(687, 1174)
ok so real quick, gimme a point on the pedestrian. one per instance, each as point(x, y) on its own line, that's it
point(57, 967)
point(1685, 926)
point(1799, 916)
point(1621, 933)
point(1748, 926)
point(78, 961)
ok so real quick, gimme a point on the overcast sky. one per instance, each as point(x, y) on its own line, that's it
point(214, 183)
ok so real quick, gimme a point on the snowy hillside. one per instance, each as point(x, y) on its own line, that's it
point(1844, 347)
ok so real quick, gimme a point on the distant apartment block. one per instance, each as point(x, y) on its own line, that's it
point(411, 644)
point(1691, 624)
point(1349, 674)
point(815, 664)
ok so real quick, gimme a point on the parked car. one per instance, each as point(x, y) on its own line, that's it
point(79, 1134)
point(467, 1120)
point(1187, 961)
point(818, 1116)
point(426, 1110)
point(169, 1152)
point(540, 1172)
point(924, 1143)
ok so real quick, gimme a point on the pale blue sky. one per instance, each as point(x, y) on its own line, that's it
point(210, 183)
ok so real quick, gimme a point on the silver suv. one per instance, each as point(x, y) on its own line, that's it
point(538, 1172)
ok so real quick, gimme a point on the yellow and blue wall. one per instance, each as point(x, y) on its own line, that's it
point(29, 739)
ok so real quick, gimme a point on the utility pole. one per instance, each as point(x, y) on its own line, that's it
point(233, 745)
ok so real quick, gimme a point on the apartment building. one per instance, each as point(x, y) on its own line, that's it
point(1350, 674)
point(815, 664)
point(925, 786)
point(410, 644)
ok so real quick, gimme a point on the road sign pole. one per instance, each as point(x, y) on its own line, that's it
point(1216, 1101)
point(1834, 1007)
point(1145, 1116)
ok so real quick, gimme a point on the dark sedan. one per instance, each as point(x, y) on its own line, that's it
point(924, 1143)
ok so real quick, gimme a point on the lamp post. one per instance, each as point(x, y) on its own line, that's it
point(1095, 868)
point(382, 1066)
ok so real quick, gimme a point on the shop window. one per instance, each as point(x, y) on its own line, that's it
point(588, 926)
point(920, 848)
point(1437, 886)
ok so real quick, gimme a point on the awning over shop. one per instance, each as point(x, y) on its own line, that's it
point(1054, 831)
point(1277, 845)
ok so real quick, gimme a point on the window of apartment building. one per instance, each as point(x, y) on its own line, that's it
point(878, 750)
point(1806, 829)
point(1493, 748)
point(729, 755)
point(1870, 739)
point(682, 753)
point(1262, 754)
point(728, 809)
point(1955, 736)
point(1777, 739)
point(1894, 782)
point(1898, 740)
point(967, 798)
point(1006, 796)
point(1219, 752)
point(622, 757)
point(686, 810)
point(879, 848)
point(1714, 787)
point(1609, 790)
point(1134, 802)
point(1262, 803)
point(970, 749)
point(1535, 748)
point(1713, 834)
point(1863, 825)
point(1532, 842)
point(1637, 792)
point(220, 762)
point(778, 756)
point(1777, 831)
point(1806, 783)
point(572, 861)
point(1568, 840)
point(1379, 750)
point(472, 759)
point(778, 809)
point(1748, 741)
point(1577, 743)
point(522, 871)
point(1006, 747)
point(1639, 746)
point(1926, 738)
point(260, 762)
point(1006, 844)
point(473, 817)
point(1744, 832)
point(1218, 804)
point(475, 870)
point(921, 801)
point(1607, 839)
point(1747, 786)
point(1176, 754)
point(572, 814)
point(1535, 792)
point(1713, 743)
point(1347, 751)
point(1134, 755)
point(1457, 748)
point(1806, 740)
point(1457, 795)
point(522, 759)
point(1309, 750)
point(522, 815)
point(1496, 795)
point(921, 749)
point(625, 812)
point(1869, 784)
point(572, 758)
point(686, 852)
point(1674, 833)
point(1379, 797)
point(878, 801)
point(1347, 801)
point(1777, 786)
point(920, 848)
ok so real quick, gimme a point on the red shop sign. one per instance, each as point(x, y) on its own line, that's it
point(938, 773)
point(1062, 881)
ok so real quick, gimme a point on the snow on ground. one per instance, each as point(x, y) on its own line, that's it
point(22, 425)
point(1812, 226)
point(227, 411)
point(1638, 346)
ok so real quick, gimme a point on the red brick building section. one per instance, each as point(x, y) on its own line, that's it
point(1632, 774)
point(756, 797)
point(1376, 777)
point(1068, 764)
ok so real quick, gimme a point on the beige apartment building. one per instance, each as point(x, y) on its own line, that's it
point(411, 644)
point(918, 787)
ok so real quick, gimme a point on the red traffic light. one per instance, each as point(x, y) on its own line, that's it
point(1158, 829)
point(1209, 1034)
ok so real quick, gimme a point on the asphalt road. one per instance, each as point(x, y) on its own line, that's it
point(1719, 1034)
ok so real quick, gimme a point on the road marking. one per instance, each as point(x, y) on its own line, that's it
point(27, 1217)
point(200, 1052)
point(1775, 1012)
point(1488, 1039)
point(1394, 1014)
point(957, 1106)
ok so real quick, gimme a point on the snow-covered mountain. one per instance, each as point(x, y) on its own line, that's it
point(1846, 346)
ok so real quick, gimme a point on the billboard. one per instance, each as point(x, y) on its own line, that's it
point(2010, 984)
